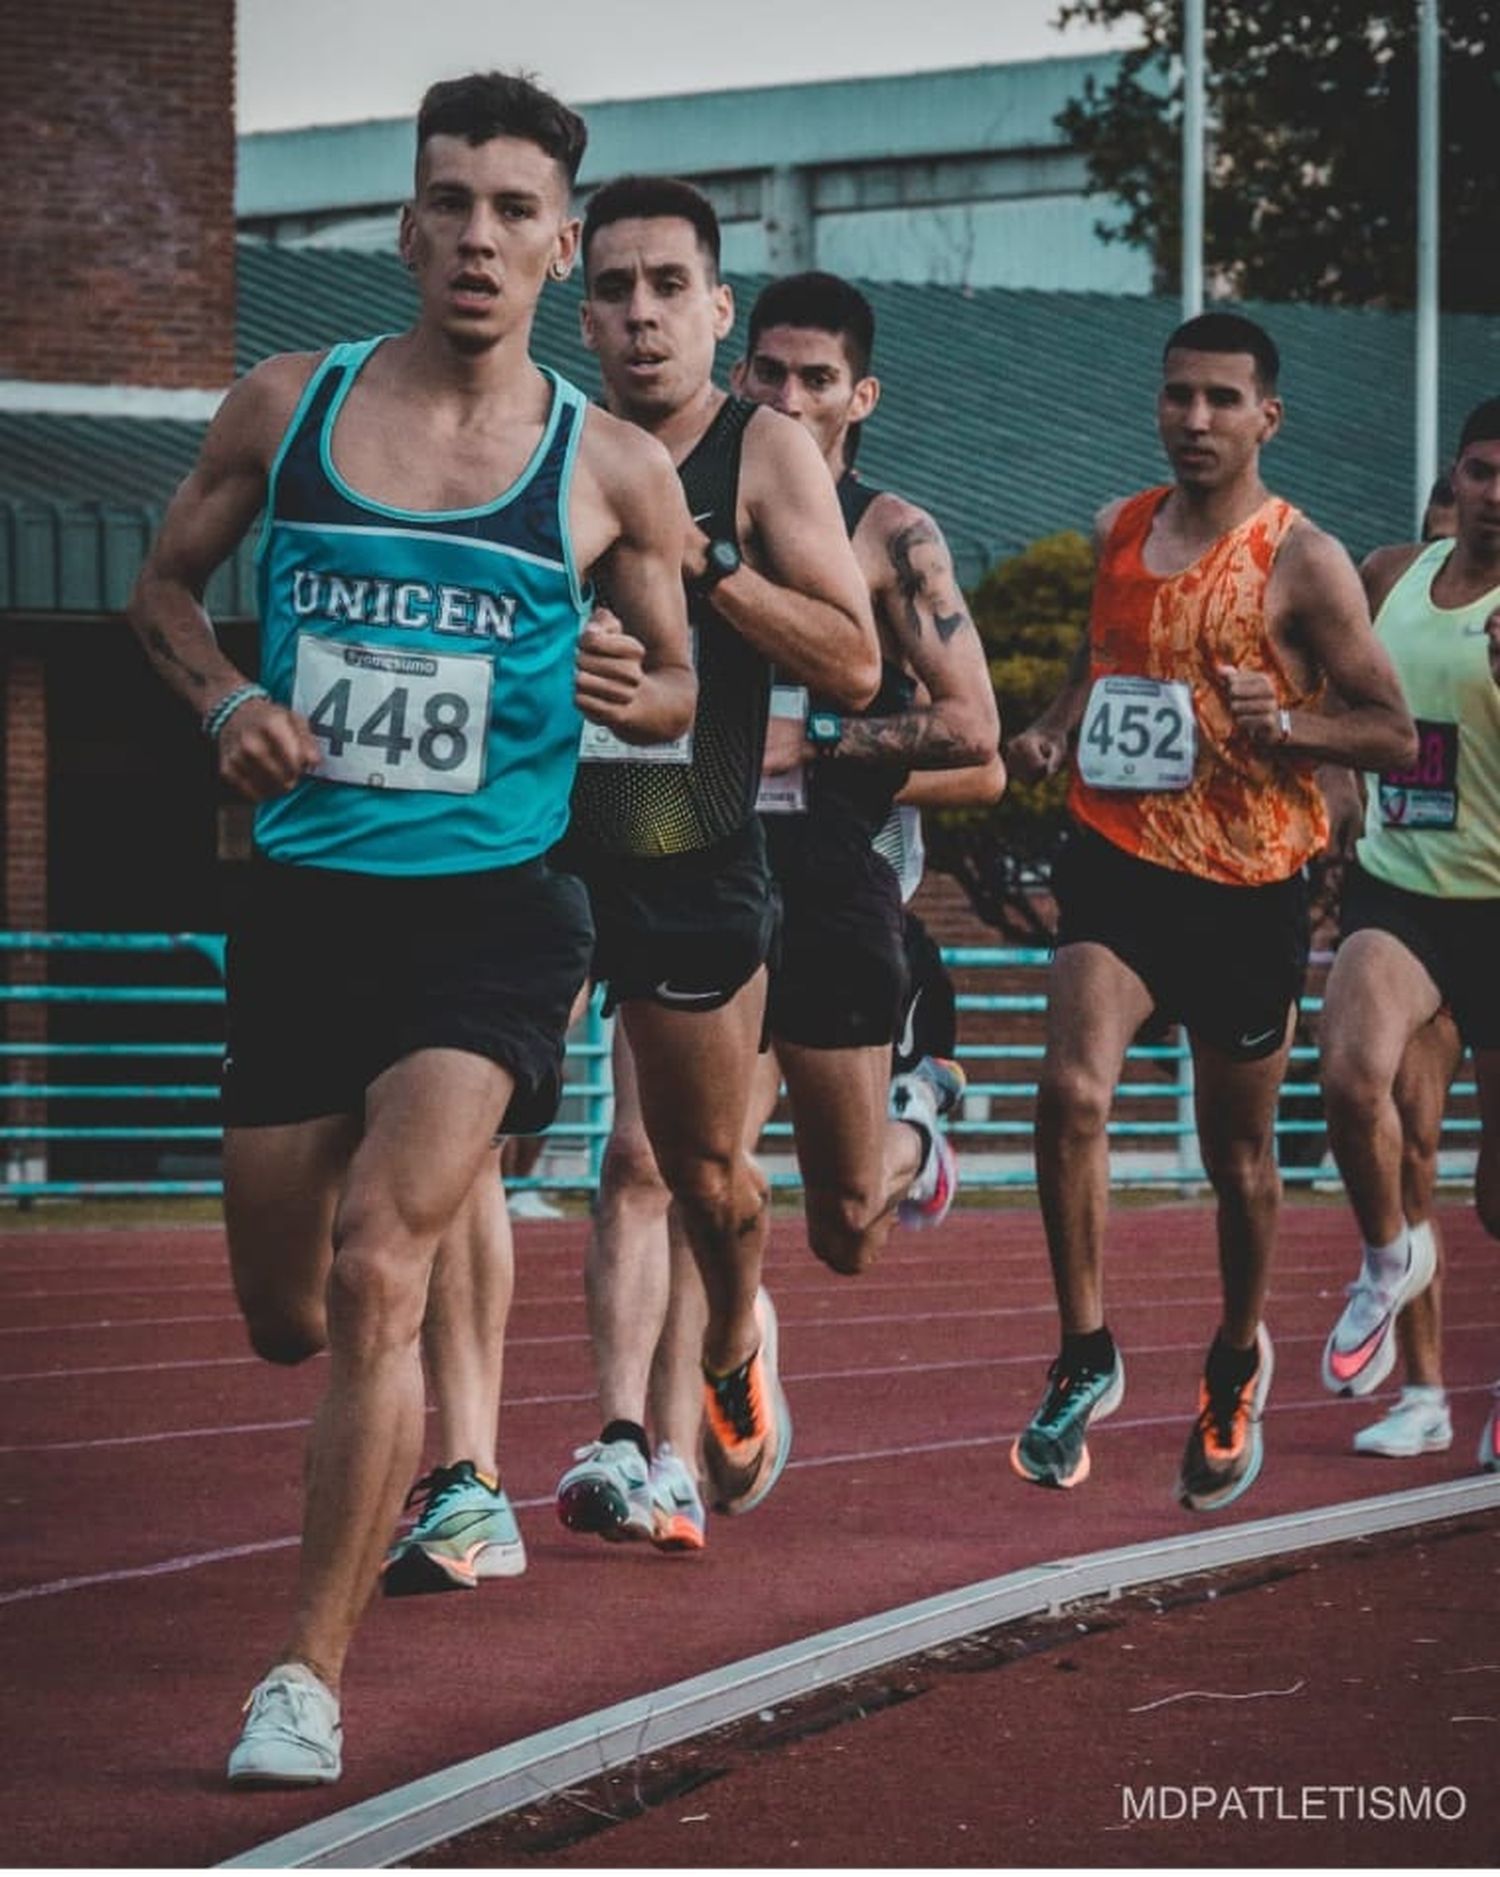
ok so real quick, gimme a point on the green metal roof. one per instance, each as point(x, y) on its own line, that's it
point(1009, 414)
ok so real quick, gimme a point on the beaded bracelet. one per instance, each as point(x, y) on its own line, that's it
point(214, 722)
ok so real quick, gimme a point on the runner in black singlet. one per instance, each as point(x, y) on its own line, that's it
point(684, 906)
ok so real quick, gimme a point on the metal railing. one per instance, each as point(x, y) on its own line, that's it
point(98, 1088)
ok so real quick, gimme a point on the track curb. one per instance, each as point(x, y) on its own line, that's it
point(425, 1812)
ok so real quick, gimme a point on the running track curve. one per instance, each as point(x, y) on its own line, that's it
point(150, 1466)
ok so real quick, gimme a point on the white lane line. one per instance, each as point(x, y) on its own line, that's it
point(412, 1818)
point(863, 1457)
point(799, 1378)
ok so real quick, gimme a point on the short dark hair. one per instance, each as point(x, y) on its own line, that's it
point(1482, 425)
point(650, 197)
point(1229, 332)
point(483, 105)
point(823, 302)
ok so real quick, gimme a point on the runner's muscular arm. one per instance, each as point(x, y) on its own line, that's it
point(1318, 606)
point(635, 672)
point(264, 749)
point(1342, 786)
point(810, 611)
point(918, 597)
point(1041, 749)
point(972, 787)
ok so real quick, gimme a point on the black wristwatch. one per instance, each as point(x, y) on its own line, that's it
point(823, 730)
point(724, 559)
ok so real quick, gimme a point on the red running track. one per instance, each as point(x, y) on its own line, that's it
point(150, 1468)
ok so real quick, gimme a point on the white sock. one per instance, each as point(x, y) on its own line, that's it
point(1387, 1263)
point(1431, 1395)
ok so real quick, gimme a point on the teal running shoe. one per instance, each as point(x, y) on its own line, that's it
point(465, 1530)
point(1053, 1451)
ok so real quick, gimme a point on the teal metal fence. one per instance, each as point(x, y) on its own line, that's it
point(126, 1071)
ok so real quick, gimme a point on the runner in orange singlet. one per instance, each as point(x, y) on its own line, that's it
point(1222, 621)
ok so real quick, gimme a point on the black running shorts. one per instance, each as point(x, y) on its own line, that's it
point(686, 931)
point(1457, 940)
point(334, 976)
point(929, 1011)
point(841, 974)
point(1227, 962)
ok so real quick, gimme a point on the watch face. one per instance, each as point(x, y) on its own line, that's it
point(823, 726)
point(723, 559)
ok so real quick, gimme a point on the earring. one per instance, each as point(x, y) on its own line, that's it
point(558, 271)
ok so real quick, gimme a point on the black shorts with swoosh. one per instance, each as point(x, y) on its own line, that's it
point(685, 931)
point(1227, 962)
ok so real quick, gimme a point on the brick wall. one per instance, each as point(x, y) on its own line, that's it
point(117, 228)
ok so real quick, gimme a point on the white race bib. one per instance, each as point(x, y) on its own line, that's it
point(392, 719)
point(1138, 733)
point(786, 793)
point(598, 744)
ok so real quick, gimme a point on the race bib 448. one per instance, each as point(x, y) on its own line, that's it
point(395, 720)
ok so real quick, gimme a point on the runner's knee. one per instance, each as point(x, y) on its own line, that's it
point(843, 1232)
point(1072, 1098)
point(286, 1334)
point(629, 1172)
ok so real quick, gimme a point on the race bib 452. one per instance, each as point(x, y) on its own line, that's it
point(1138, 733)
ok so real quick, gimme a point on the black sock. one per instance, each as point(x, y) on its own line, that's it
point(628, 1430)
point(1095, 1351)
point(1228, 1368)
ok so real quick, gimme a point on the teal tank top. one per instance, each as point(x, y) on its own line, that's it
point(433, 653)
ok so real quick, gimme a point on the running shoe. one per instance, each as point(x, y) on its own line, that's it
point(464, 1530)
point(607, 1491)
point(1052, 1451)
point(1418, 1423)
point(942, 1078)
point(1224, 1451)
point(677, 1518)
point(1361, 1351)
point(292, 1734)
point(932, 1089)
point(929, 1198)
point(531, 1204)
point(747, 1433)
point(1489, 1440)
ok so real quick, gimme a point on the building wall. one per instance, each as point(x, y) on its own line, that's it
point(960, 177)
point(117, 240)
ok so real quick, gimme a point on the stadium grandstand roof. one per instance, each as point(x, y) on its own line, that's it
point(1009, 414)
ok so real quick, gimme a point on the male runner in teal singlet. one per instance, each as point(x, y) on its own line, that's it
point(400, 977)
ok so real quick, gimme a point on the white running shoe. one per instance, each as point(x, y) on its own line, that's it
point(1361, 1351)
point(531, 1204)
point(676, 1504)
point(607, 1491)
point(1417, 1422)
point(292, 1734)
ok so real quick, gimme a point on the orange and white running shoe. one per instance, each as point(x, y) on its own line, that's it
point(677, 1519)
point(1224, 1451)
point(747, 1432)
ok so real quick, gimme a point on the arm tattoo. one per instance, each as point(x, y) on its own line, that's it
point(165, 656)
point(919, 583)
point(919, 739)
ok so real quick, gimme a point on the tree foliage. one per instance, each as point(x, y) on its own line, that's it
point(1031, 611)
point(1312, 128)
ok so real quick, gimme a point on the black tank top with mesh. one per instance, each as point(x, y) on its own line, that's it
point(652, 809)
point(857, 796)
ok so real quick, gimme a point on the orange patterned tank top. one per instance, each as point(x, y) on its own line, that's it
point(1203, 799)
